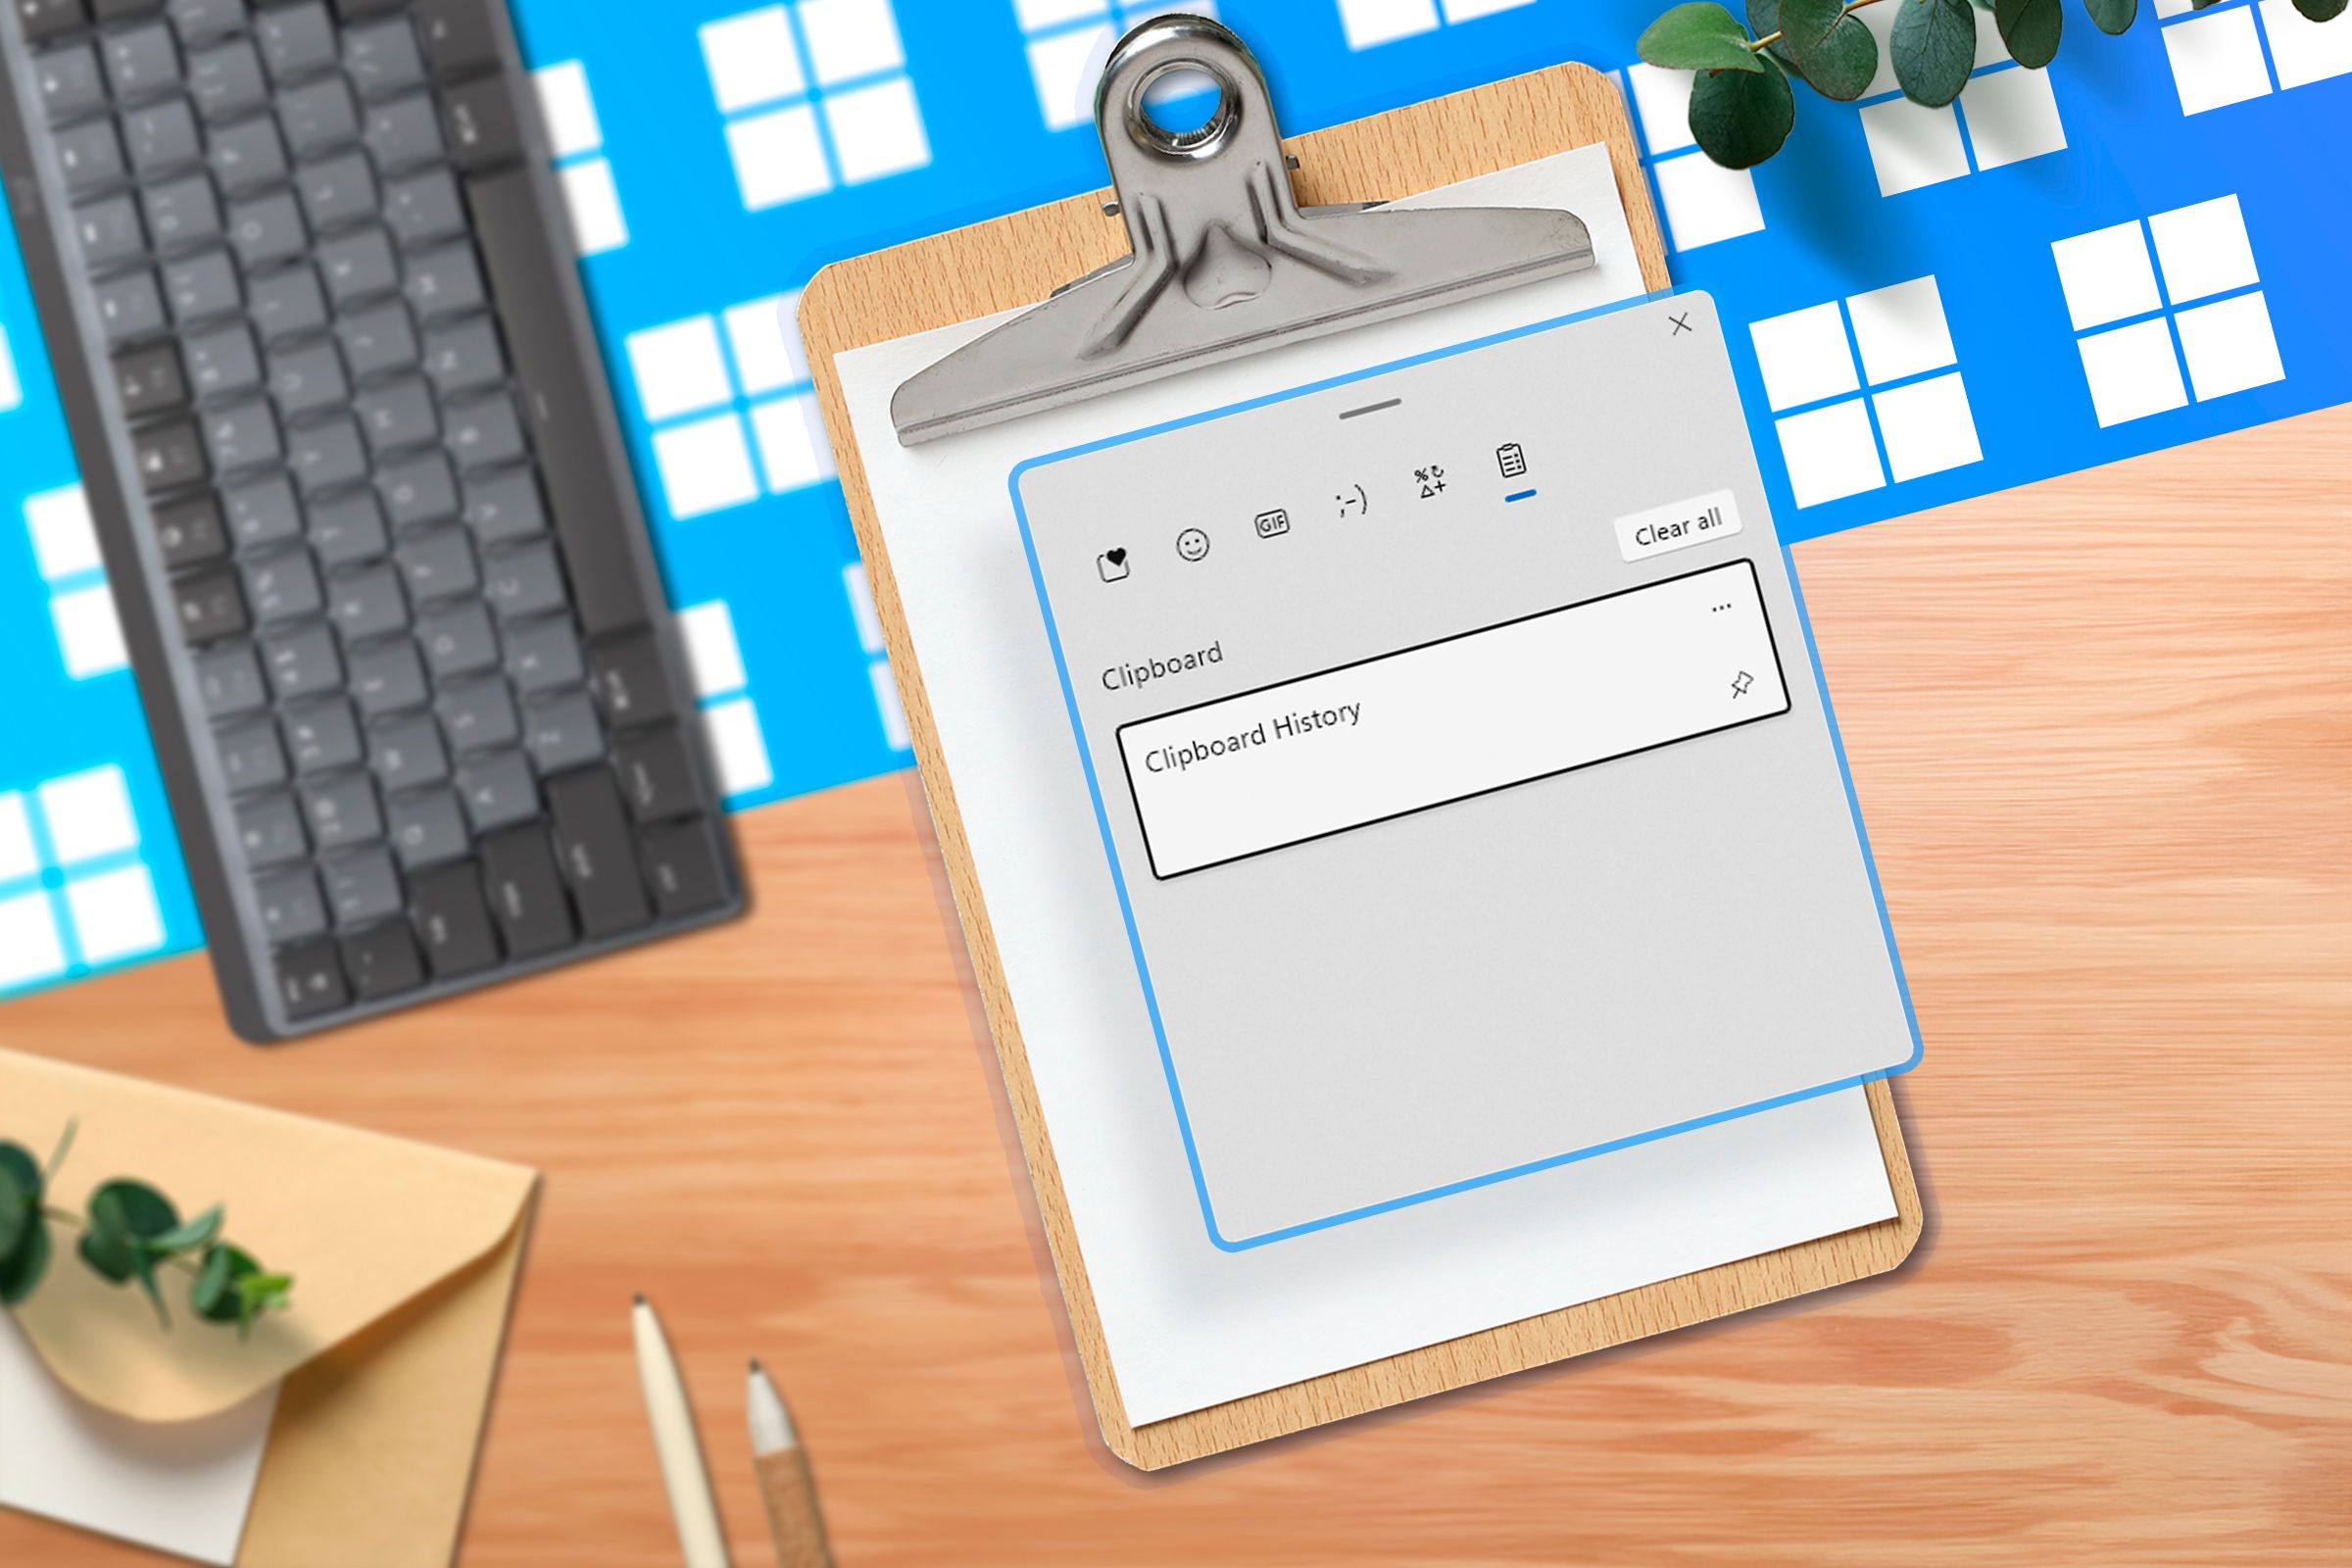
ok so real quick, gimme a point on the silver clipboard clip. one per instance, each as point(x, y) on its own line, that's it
point(1226, 262)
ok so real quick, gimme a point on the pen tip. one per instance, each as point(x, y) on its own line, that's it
point(756, 1368)
point(640, 1297)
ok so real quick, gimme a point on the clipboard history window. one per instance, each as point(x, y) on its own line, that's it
point(1464, 769)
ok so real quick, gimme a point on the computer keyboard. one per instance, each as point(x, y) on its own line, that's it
point(360, 494)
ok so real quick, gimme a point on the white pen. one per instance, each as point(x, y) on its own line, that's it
point(691, 1503)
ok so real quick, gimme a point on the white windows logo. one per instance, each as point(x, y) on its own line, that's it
point(2218, 57)
point(1069, 41)
point(877, 664)
point(73, 892)
point(81, 607)
point(1705, 202)
point(2006, 116)
point(1915, 420)
point(757, 379)
point(2132, 360)
point(12, 390)
point(1376, 21)
point(578, 138)
point(815, 94)
point(730, 721)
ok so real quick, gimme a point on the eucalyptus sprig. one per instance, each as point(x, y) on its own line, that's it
point(1743, 108)
point(129, 1232)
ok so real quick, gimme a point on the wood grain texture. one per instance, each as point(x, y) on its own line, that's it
point(2099, 731)
point(1017, 261)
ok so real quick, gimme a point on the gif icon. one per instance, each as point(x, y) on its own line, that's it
point(1272, 525)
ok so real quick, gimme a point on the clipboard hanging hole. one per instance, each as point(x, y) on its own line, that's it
point(1170, 110)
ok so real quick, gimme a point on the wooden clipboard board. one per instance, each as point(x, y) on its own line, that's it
point(1017, 261)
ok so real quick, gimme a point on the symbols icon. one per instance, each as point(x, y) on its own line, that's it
point(1353, 503)
point(1273, 524)
point(1511, 456)
point(1112, 565)
point(1191, 544)
point(1740, 683)
point(1432, 481)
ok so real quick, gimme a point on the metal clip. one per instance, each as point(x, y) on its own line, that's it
point(1225, 260)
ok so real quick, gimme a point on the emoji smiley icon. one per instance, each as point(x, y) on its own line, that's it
point(1191, 544)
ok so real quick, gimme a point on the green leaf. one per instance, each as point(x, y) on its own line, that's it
point(2113, 15)
point(1935, 49)
point(20, 1273)
point(17, 1160)
point(1741, 117)
point(2030, 29)
point(213, 1297)
point(1842, 67)
point(2321, 10)
point(123, 1215)
point(1804, 25)
point(17, 1214)
point(1698, 37)
point(188, 1237)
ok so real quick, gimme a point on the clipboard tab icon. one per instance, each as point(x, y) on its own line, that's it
point(1224, 262)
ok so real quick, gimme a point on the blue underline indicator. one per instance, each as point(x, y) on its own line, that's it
point(1521, 495)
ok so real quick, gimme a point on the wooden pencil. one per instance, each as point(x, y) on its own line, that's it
point(784, 1481)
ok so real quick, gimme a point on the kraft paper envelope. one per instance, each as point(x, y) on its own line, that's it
point(404, 1259)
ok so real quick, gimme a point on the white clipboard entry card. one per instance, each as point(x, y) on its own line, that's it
point(1458, 750)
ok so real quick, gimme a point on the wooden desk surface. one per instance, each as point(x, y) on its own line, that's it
point(2099, 731)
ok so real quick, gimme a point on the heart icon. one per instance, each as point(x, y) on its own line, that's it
point(1117, 558)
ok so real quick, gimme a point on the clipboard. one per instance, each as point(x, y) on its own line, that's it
point(1022, 260)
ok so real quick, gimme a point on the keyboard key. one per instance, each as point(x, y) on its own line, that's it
point(288, 303)
point(107, 12)
point(263, 511)
point(307, 378)
point(498, 790)
point(183, 212)
point(376, 339)
point(383, 961)
point(359, 265)
point(290, 906)
point(241, 436)
point(248, 155)
point(504, 505)
point(561, 733)
point(210, 607)
point(543, 655)
point(464, 357)
point(342, 811)
point(70, 82)
point(142, 61)
point(459, 39)
point(347, 530)
point(445, 280)
point(477, 715)
point(230, 679)
point(202, 21)
point(226, 80)
point(368, 604)
point(190, 532)
point(168, 456)
point(162, 137)
point(451, 919)
point(296, 40)
point(266, 229)
point(417, 490)
point(198, 287)
point(130, 307)
point(388, 679)
point(269, 832)
point(322, 737)
point(597, 854)
point(458, 641)
point(383, 59)
point(526, 894)
point(222, 358)
point(657, 774)
point(525, 582)
point(324, 455)
point(336, 192)
point(425, 207)
point(362, 888)
point(427, 829)
point(397, 416)
point(685, 869)
point(251, 758)
point(90, 156)
point(626, 675)
point(317, 117)
point(403, 133)
point(282, 587)
point(407, 753)
point(310, 982)
point(483, 130)
point(485, 433)
point(108, 231)
point(46, 19)
point(302, 662)
point(148, 380)
point(437, 565)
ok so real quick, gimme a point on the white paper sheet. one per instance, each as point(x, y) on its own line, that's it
point(183, 1487)
point(1188, 1325)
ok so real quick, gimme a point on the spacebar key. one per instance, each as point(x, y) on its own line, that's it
point(592, 519)
point(598, 855)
